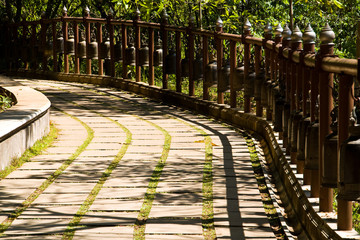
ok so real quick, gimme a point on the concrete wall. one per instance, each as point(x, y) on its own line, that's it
point(23, 124)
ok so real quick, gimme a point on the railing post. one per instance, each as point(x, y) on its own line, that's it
point(99, 40)
point(219, 53)
point(296, 46)
point(346, 104)
point(43, 41)
point(110, 28)
point(26, 63)
point(164, 37)
point(191, 57)
point(232, 73)
point(259, 108)
point(65, 36)
point(247, 48)
point(267, 36)
point(55, 60)
point(137, 45)
point(151, 56)
point(205, 44)
point(326, 104)
point(76, 42)
point(123, 46)
point(277, 101)
point(33, 41)
point(87, 37)
point(178, 61)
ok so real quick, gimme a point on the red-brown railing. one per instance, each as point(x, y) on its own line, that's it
point(282, 74)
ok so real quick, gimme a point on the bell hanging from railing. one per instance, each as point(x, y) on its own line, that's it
point(329, 175)
point(93, 50)
point(303, 126)
point(224, 81)
point(286, 116)
point(349, 179)
point(211, 73)
point(129, 58)
point(198, 68)
point(312, 147)
point(70, 45)
point(278, 108)
point(158, 55)
point(185, 67)
point(170, 62)
point(104, 52)
point(144, 55)
point(25, 56)
point(60, 44)
point(48, 49)
point(258, 85)
point(239, 78)
point(39, 54)
point(249, 84)
point(294, 131)
point(81, 47)
point(118, 51)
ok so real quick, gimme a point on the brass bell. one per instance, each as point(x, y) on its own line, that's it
point(105, 49)
point(264, 94)
point(257, 87)
point(158, 55)
point(198, 68)
point(285, 120)
point(239, 78)
point(24, 50)
point(294, 130)
point(249, 85)
point(70, 46)
point(92, 52)
point(48, 50)
point(117, 51)
point(279, 103)
point(224, 81)
point(129, 58)
point(349, 179)
point(185, 67)
point(170, 62)
point(60, 45)
point(81, 47)
point(303, 125)
point(312, 147)
point(144, 55)
point(329, 173)
point(211, 73)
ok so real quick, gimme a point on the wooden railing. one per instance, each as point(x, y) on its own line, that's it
point(280, 73)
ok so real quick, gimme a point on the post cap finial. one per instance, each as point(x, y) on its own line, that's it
point(309, 36)
point(268, 28)
point(287, 33)
point(247, 25)
point(327, 35)
point(64, 10)
point(165, 16)
point(137, 12)
point(111, 12)
point(278, 30)
point(296, 36)
point(219, 22)
point(87, 10)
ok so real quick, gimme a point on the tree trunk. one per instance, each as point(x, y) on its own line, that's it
point(291, 13)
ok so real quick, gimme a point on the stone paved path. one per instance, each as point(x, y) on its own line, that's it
point(144, 169)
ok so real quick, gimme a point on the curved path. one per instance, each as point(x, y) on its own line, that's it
point(125, 167)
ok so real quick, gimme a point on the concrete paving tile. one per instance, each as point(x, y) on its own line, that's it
point(174, 237)
point(76, 188)
point(61, 150)
point(116, 205)
point(15, 183)
point(127, 182)
point(60, 198)
point(109, 218)
point(40, 166)
point(121, 193)
point(183, 211)
point(173, 226)
point(179, 187)
point(119, 231)
point(178, 198)
point(39, 211)
point(30, 174)
point(37, 226)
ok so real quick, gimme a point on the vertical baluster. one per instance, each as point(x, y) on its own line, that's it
point(110, 28)
point(232, 73)
point(137, 45)
point(178, 61)
point(55, 61)
point(191, 57)
point(99, 40)
point(42, 46)
point(205, 44)
point(65, 36)
point(87, 38)
point(164, 37)
point(259, 108)
point(124, 46)
point(76, 42)
point(346, 104)
point(151, 56)
point(247, 48)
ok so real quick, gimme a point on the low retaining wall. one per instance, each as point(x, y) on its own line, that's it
point(303, 221)
point(24, 123)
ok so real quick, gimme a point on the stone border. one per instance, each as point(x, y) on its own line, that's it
point(24, 123)
point(301, 217)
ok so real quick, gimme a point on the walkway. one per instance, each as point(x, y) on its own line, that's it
point(124, 166)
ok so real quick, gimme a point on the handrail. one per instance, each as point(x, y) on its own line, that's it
point(282, 75)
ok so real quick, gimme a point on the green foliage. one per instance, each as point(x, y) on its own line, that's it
point(5, 102)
